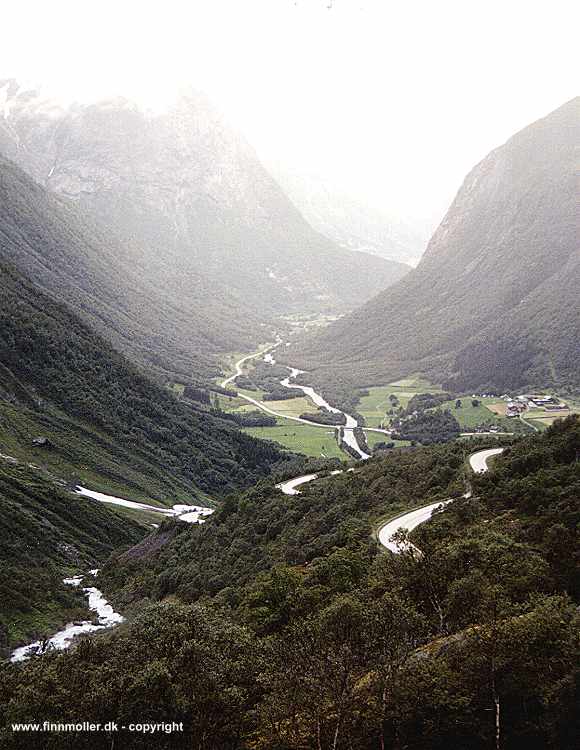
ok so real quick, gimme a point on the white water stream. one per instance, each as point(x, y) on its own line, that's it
point(186, 513)
point(106, 618)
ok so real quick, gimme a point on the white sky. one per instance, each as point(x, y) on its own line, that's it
point(392, 101)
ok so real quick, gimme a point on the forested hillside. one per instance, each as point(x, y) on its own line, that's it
point(493, 304)
point(200, 216)
point(45, 532)
point(61, 381)
point(54, 242)
point(287, 627)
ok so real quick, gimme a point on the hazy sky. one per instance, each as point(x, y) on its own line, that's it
point(392, 101)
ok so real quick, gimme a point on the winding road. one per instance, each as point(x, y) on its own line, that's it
point(410, 520)
point(239, 370)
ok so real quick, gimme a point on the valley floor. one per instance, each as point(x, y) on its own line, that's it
point(377, 406)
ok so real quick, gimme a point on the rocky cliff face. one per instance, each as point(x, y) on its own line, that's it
point(192, 196)
point(494, 300)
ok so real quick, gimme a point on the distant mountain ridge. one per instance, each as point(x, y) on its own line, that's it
point(352, 223)
point(494, 301)
point(191, 198)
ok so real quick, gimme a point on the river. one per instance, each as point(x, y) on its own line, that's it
point(106, 618)
point(348, 431)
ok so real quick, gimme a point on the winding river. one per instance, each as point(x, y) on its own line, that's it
point(349, 437)
point(105, 615)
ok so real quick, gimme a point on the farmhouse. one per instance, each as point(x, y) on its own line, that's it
point(515, 408)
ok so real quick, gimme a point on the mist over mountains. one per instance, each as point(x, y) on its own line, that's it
point(152, 273)
point(192, 201)
point(351, 222)
point(493, 303)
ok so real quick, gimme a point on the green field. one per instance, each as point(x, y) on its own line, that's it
point(232, 403)
point(374, 407)
point(376, 437)
point(470, 416)
point(296, 436)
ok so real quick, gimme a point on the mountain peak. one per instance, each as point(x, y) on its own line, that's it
point(496, 278)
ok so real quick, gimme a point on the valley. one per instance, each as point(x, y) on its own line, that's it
point(376, 410)
point(259, 483)
point(471, 315)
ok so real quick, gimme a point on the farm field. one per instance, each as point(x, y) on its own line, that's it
point(375, 406)
point(489, 411)
point(295, 436)
point(375, 437)
point(292, 407)
point(543, 419)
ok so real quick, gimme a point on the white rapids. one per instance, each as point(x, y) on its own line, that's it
point(106, 618)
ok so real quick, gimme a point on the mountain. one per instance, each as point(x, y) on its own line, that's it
point(493, 304)
point(280, 624)
point(352, 223)
point(103, 421)
point(190, 201)
point(50, 239)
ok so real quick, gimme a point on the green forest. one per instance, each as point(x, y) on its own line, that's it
point(281, 624)
point(52, 359)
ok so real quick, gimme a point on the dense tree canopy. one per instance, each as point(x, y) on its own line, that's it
point(280, 624)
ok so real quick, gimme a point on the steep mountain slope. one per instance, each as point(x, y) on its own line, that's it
point(193, 200)
point(44, 532)
point(103, 419)
point(494, 301)
point(50, 240)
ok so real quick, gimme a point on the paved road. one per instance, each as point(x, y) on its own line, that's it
point(478, 461)
point(407, 521)
point(412, 519)
point(289, 487)
point(241, 361)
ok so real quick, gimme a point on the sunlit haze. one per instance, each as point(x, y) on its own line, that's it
point(391, 102)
